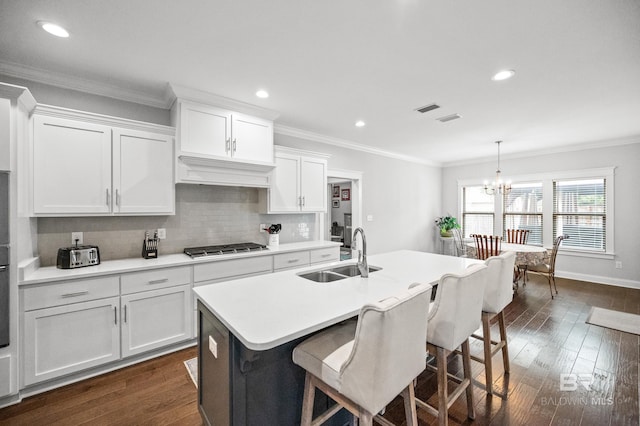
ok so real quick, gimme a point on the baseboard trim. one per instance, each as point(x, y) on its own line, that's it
point(618, 282)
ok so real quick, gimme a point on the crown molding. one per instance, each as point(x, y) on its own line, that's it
point(82, 85)
point(19, 94)
point(175, 91)
point(557, 150)
point(343, 143)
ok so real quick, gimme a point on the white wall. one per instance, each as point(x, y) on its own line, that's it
point(627, 204)
point(402, 197)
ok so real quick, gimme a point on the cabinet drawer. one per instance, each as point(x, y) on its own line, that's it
point(155, 279)
point(46, 296)
point(331, 254)
point(290, 260)
point(232, 268)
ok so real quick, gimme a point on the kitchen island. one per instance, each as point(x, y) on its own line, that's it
point(248, 328)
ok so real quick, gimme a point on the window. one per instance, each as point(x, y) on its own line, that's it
point(477, 211)
point(522, 209)
point(579, 211)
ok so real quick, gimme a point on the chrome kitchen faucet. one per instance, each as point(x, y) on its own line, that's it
point(362, 254)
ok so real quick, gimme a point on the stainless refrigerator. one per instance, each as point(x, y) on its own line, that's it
point(4, 259)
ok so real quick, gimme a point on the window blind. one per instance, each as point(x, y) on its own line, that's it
point(522, 209)
point(579, 210)
point(477, 211)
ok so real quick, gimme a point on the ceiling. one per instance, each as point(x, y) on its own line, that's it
point(329, 63)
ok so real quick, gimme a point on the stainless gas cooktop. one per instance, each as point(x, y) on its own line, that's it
point(224, 249)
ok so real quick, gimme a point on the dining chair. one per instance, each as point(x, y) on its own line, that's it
point(461, 247)
point(549, 269)
point(518, 236)
point(487, 245)
point(498, 293)
point(363, 365)
point(453, 317)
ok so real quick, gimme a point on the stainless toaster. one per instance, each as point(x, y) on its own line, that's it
point(78, 256)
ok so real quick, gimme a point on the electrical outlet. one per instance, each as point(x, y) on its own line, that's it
point(77, 236)
point(618, 264)
point(213, 347)
point(162, 233)
point(262, 227)
point(369, 218)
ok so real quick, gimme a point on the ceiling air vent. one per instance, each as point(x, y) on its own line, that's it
point(427, 108)
point(449, 118)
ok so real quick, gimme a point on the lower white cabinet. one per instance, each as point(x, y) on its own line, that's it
point(157, 318)
point(79, 324)
point(69, 338)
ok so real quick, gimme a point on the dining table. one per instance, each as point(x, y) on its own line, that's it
point(527, 255)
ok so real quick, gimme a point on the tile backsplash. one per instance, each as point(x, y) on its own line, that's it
point(205, 215)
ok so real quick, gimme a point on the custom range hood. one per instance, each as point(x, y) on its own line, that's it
point(221, 141)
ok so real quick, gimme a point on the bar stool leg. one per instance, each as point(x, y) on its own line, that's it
point(466, 365)
point(503, 339)
point(307, 401)
point(443, 391)
point(488, 365)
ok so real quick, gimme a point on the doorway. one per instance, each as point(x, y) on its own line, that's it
point(344, 204)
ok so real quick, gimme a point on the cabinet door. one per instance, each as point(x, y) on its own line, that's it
point(71, 166)
point(284, 195)
point(252, 138)
point(204, 130)
point(143, 172)
point(313, 184)
point(70, 338)
point(157, 318)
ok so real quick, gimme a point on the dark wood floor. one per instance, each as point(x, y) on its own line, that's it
point(546, 338)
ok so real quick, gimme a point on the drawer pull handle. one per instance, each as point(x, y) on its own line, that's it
point(293, 260)
point(76, 294)
point(326, 255)
point(160, 281)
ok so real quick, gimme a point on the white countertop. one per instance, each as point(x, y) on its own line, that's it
point(269, 310)
point(51, 273)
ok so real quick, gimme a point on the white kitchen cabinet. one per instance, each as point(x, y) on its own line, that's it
point(207, 131)
point(85, 164)
point(157, 318)
point(299, 183)
point(143, 179)
point(69, 338)
point(71, 166)
point(74, 325)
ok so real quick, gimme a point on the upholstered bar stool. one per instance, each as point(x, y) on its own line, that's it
point(364, 365)
point(453, 317)
point(497, 295)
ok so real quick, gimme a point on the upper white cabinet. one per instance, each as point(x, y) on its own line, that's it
point(85, 164)
point(142, 172)
point(221, 141)
point(299, 182)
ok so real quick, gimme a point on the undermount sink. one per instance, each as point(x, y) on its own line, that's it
point(336, 273)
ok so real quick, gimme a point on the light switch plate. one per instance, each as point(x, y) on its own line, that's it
point(213, 346)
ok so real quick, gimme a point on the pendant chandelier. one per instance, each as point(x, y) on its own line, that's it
point(497, 186)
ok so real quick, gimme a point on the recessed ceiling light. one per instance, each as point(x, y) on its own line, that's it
point(54, 29)
point(503, 75)
point(262, 94)
point(360, 123)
